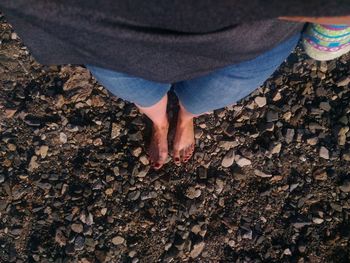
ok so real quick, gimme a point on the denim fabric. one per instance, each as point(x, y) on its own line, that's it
point(137, 90)
point(213, 91)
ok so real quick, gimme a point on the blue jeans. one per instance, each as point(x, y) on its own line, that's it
point(216, 90)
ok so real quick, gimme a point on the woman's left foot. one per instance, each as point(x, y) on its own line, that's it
point(184, 142)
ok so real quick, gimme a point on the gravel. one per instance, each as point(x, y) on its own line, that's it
point(269, 180)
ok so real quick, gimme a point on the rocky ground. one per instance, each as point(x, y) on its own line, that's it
point(269, 181)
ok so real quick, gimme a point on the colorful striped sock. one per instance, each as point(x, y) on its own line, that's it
point(326, 42)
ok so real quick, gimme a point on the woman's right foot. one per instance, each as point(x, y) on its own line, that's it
point(158, 148)
point(184, 142)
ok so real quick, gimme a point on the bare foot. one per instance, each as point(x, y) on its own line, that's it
point(184, 139)
point(158, 148)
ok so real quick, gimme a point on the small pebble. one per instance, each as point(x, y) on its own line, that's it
point(320, 175)
point(276, 148)
point(197, 249)
point(118, 240)
point(144, 160)
point(228, 159)
point(134, 195)
point(262, 174)
point(137, 151)
point(77, 228)
point(193, 193)
point(345, 187)
point(289, 135)
point(324, 153)
point(312, 141)
point(317, 220)
point(63, 137)
point(343, 81)
point(242, 161)
point(260, 101)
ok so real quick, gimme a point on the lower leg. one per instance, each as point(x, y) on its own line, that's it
point(157, 112)
point(158, 149)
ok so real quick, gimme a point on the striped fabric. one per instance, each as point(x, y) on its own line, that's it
point(326, 42)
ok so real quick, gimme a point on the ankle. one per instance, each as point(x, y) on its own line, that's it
point(184, 115)
point(184, 121)
point(162, 125)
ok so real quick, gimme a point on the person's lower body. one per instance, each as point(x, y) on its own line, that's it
point(216, 90)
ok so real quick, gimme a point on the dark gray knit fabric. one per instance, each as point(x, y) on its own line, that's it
point(160, 40)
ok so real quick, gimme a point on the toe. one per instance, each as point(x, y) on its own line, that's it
point(190, 150)
point(189, 153)
point(154, 160)
point(182, 155)
point(157, 166)
point(162, 159)
point(176, 156)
